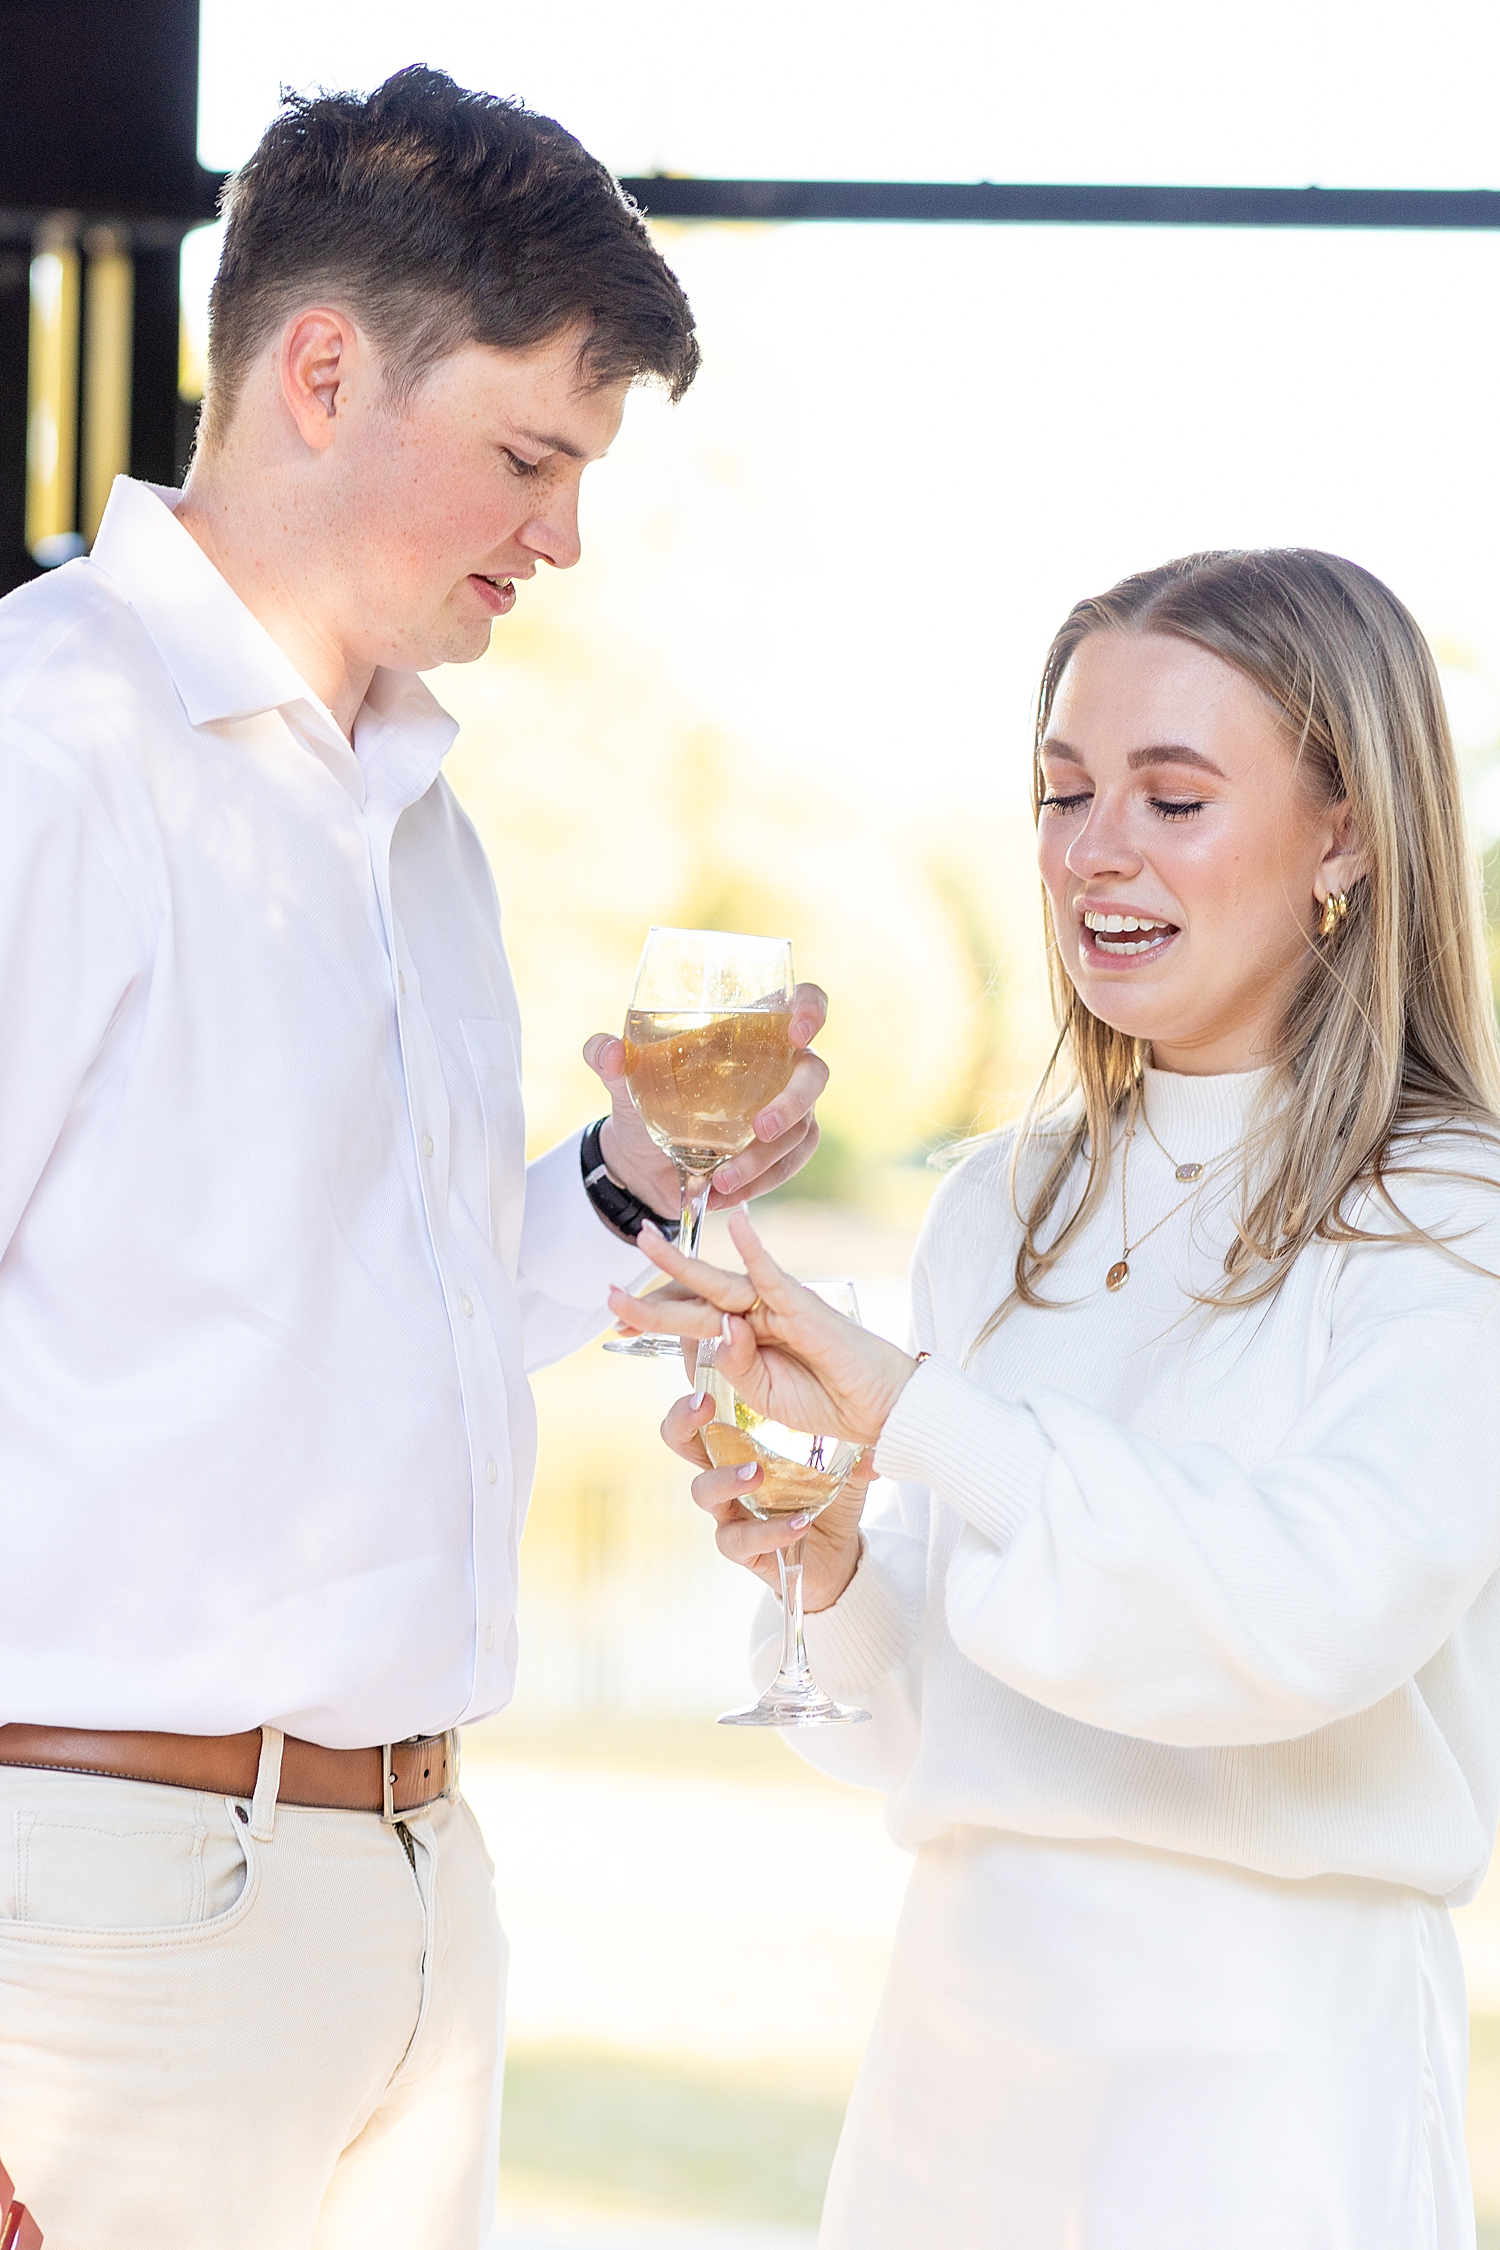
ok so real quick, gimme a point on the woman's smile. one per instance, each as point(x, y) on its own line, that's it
point(1117, 938)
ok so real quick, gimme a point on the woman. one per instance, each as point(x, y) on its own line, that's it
point(1182, 1638)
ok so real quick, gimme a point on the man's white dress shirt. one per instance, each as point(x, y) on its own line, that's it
point(272, 1265)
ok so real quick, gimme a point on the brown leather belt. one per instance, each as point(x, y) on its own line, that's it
point(393, 1780)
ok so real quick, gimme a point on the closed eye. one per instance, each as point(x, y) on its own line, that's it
point(1053, 803)
point(1177, 808)
point(518, 466)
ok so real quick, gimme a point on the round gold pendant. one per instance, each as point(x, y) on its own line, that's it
point(1189, 1171)
point(1118, 1275)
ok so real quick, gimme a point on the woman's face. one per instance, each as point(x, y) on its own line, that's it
point(1172, 805)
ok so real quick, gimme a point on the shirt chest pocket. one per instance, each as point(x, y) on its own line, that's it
point(494, 1060)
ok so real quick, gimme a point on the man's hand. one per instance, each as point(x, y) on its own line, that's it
point(786, 1131)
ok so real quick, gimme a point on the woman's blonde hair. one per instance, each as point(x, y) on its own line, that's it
point(1392, 1025)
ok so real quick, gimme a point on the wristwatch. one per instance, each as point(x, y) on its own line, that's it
point(623, 1213)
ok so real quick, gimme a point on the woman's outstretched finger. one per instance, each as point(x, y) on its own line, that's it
point(772, 1284)
point(664, 1314)
point(729, 1291)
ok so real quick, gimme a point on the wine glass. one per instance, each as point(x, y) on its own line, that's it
point(707, 1045)
point(800, 1474)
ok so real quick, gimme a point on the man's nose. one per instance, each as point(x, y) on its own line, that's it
point(555, 536)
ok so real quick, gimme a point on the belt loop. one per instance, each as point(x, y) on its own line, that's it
point(267, 1782)
point(451, 1792)
point(388, 1811)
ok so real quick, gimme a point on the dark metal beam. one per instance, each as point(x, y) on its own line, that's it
point(988, 204)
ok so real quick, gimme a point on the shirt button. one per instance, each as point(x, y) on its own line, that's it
point(427, 1144)
point(466, 1307)
point(489, 1636)
point(491, 1471)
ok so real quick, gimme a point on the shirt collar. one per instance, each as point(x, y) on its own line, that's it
point(225, 665)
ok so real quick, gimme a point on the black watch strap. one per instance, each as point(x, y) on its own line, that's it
point(621, 1211)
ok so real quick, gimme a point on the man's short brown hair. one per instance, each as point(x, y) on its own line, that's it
point(439, 217)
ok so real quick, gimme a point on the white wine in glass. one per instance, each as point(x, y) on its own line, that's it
point(800, 1474)
point(707, 1045)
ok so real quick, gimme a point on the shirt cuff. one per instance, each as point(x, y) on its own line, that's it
point(565, 1238)
point(984, 1456)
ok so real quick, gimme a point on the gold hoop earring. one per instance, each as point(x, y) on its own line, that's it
point(1335, 907)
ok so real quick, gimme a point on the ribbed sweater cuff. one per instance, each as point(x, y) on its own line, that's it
point(985, 1457)
point(863, 1635)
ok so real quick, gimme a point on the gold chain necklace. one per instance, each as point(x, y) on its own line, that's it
point(1180, 1171)
point(1119, 1272)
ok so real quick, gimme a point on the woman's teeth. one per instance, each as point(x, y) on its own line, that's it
point(1108, 932)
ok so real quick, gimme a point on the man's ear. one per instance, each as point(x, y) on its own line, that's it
point(321, 355)
point(1346, 858)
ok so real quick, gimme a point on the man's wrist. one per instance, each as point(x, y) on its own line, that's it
point(622, 1212)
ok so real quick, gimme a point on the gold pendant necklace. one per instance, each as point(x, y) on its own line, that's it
point(1179, 1171)
point(1119, 1272)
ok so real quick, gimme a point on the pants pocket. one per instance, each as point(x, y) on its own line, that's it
point(94, 1856)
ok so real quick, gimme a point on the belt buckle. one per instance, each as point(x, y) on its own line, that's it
point(388, 1812)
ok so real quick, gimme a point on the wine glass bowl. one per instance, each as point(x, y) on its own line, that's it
point(707, 1045)
point(801, 1474)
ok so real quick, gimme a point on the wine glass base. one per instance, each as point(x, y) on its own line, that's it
point(793, 1708)
point(644, 1347)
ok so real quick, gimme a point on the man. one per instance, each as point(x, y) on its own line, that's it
point(272, 1267)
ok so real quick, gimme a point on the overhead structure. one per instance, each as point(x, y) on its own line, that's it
point(663, 195)
point(99, 181)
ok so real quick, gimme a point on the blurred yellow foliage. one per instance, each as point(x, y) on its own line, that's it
point(605, 806)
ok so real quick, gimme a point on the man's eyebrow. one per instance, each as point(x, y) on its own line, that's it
point(546, 444)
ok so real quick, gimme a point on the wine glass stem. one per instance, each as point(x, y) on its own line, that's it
point(696, 1187)
point(793, 1652)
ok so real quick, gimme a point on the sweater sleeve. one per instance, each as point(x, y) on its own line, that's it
point(1171, 1593)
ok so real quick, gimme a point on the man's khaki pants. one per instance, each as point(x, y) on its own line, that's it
point(236, 2026)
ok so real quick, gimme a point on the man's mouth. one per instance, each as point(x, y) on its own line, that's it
point(1118, 936)
point(497, 594)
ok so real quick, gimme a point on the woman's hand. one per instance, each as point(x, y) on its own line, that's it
point(831, 1555)
point(791, 1357)
point(786, 1131)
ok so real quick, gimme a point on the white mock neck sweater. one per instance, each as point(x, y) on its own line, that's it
point(1223, 1584)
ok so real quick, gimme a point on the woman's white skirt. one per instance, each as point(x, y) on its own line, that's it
point(1093, 2046)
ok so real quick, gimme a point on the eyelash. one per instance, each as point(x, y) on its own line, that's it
point(519, 467)
point(1168, 807)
